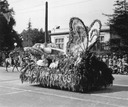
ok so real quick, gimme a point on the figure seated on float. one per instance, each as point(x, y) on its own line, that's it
point(43, 62)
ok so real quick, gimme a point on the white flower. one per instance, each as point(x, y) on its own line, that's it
point(54, 64)
point(41, 63)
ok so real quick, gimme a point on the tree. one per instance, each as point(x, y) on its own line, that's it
point(8, 36)
point(119, 20)
point(32, 36)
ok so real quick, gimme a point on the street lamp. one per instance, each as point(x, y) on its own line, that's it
point(15, 44)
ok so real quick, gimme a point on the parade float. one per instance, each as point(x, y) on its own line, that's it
point(77, 69)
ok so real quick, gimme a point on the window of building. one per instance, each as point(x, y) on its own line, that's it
point(102, 38)
point(59, 42)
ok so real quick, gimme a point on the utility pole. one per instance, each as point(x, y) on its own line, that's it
point(46, 21)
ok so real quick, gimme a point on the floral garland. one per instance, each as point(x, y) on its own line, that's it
point(89, 74)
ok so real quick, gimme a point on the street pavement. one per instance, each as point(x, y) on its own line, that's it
point(15, 94)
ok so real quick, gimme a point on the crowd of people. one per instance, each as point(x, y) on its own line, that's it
point(118, 63)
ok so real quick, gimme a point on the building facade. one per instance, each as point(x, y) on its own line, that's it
point(61, 36)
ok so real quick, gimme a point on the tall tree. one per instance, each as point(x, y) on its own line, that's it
point(8, 35)
point(32, 36)
point(119, 20)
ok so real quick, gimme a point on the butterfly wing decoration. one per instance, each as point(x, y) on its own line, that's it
point(77, 37)
point(94, 33)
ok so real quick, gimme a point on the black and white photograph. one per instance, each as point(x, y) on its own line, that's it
point(63, 53)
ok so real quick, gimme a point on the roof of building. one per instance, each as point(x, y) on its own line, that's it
point(65, 31)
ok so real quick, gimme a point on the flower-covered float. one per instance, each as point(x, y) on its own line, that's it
point(78, 69)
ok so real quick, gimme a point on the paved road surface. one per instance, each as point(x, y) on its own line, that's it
point(15, 94)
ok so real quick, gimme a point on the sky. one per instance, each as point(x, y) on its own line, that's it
point(59, 12)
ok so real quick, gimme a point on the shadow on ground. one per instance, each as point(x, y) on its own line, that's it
point(111, 89)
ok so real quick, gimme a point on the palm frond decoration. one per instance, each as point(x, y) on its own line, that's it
point(34, 51)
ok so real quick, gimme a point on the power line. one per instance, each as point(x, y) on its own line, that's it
point(71, 3)
point(31, 11)
point(34, 9)
point(28, 8)
point(17, 1)
point(56, 3)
